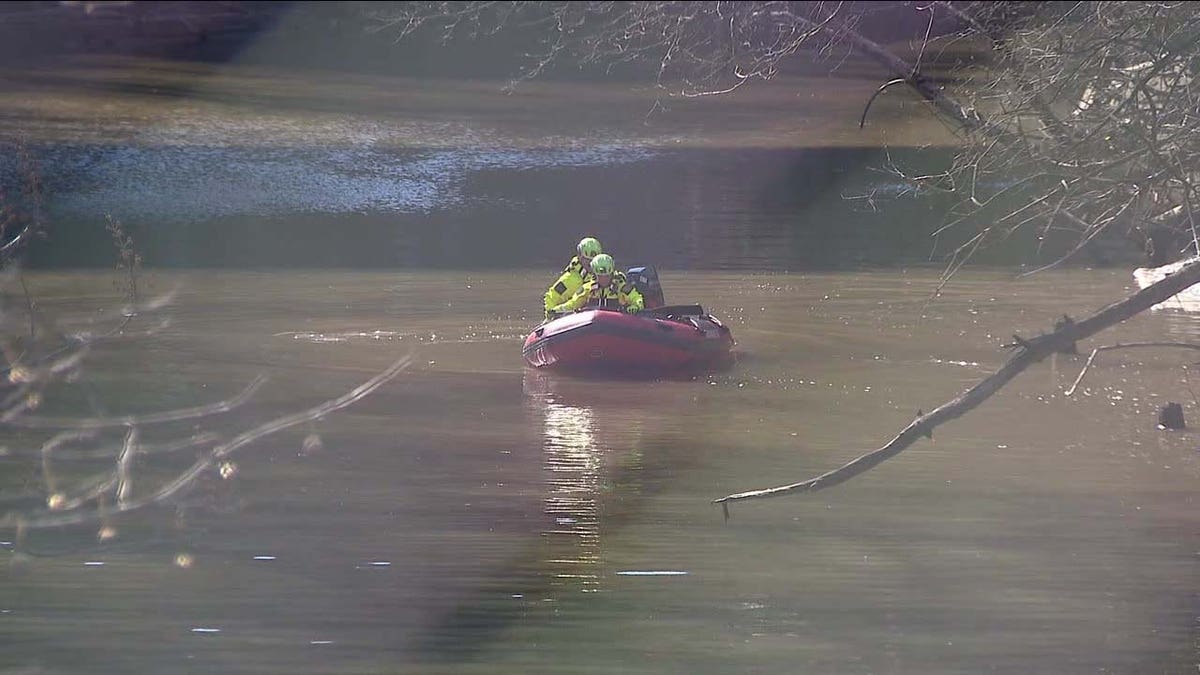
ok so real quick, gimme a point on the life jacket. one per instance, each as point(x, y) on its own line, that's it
point(573, 277)
point(610, 296)
point(576, 265)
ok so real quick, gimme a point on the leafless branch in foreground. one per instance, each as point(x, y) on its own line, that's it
point(59, 470)
point(1028, 352)
point(62, 509)
point(85, 477)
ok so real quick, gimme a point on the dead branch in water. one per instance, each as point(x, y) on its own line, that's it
point(1028, 352)
point(1127, 345)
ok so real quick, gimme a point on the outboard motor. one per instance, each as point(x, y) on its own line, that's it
point(645, 279)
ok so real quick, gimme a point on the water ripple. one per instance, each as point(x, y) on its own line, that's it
point(197, 182)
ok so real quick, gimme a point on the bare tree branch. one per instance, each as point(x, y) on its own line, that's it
point(1097, 93)
point(47, 359)
point(1028, 353)
point(139, 420)
point(64, 512)
point(1127, 345)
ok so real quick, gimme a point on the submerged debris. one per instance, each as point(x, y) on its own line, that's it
point(1170, 416)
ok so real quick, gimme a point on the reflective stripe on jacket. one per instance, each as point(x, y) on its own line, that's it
point(568, 284)
point(618, 294)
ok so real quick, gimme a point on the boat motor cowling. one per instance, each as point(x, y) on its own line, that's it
point(645, 279)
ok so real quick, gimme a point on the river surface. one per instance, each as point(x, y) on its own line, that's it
point(476, 516)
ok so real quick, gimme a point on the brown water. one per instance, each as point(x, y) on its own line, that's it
point(474, 516)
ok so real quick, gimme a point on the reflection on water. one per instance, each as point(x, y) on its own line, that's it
point(573, 467)
point(587, 443)
point(232, 166)
point(172, 185)
point(204, 206)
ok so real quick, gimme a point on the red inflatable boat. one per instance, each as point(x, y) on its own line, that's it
point(664, 339)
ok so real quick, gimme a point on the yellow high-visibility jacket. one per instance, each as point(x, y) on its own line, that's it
point(618, 294)
point(569, 283)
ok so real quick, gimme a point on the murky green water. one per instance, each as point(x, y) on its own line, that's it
point(475, 516)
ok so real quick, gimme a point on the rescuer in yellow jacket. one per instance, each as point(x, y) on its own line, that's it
point(609, 288)
point(576, 272)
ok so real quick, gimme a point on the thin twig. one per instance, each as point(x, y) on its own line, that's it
point(124, 462)
point(1127, 345)
point(60, 517)
point(862, 121)
point(151, 418)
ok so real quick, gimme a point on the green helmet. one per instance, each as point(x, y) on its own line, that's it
point(603, 264)
point(589, 247)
